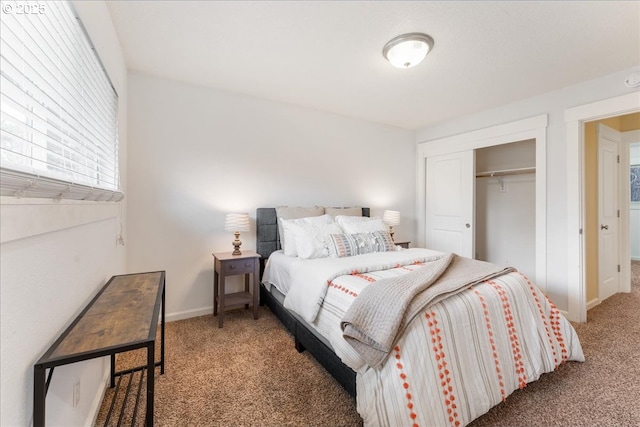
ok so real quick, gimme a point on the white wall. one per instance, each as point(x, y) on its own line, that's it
point(553, 104)
point(196, 154)
point(506, 222)
point(55, 257)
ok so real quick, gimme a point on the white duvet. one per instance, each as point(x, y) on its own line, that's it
point(311, 276)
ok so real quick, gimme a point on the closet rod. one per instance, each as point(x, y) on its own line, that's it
point(503, 172)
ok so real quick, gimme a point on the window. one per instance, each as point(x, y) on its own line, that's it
point(635, 183)
point(59, 130)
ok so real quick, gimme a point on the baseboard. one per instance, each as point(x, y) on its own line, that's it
point(181, 315)
point(592, 303)
point(97, 401)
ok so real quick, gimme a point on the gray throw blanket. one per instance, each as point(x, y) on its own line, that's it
point(383, 309)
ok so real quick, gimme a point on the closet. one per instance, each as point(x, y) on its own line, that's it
point(483, 194)
point(505, 205)
point(481, 203)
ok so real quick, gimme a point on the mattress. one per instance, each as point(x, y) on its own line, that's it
point(277, 272)
point(279, 296)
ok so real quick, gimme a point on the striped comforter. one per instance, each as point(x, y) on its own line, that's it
point(459, 357)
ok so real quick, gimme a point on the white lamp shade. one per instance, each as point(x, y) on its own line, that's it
point(391, 218)
point(408, 50)
point(237, 222)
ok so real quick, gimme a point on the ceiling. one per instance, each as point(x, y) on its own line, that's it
point(327, 55)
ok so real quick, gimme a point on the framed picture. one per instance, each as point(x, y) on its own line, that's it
point(635, 183)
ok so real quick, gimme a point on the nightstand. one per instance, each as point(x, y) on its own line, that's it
point(403, 244)
point(226, 264)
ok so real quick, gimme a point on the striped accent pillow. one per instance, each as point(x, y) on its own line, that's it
point(343, 245)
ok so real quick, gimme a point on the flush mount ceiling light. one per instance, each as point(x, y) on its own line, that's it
point(407, 50)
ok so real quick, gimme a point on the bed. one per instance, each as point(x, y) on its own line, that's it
point(450, 337)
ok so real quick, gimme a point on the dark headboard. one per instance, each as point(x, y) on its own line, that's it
point(267, 237)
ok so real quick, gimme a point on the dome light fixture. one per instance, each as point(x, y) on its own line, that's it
point(407, 50)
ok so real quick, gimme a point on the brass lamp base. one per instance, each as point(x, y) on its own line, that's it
point(236, 244)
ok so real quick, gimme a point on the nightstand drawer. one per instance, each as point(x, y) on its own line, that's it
point(240, 266)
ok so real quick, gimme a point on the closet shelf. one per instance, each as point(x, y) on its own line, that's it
point(503, 172)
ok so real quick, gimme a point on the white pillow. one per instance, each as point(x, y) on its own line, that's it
point(292, 227)
point(360, 224)
point(313, 240)
point(293, 212)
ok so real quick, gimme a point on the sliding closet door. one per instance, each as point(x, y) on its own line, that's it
point(450, 203)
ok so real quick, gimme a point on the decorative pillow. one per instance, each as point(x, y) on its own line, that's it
point(292, 227)
point(313, 239)
point(356, 211)
point(343, 245)
point(293, 212)
point(362, 224)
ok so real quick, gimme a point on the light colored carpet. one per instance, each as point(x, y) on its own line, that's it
point(249, 374)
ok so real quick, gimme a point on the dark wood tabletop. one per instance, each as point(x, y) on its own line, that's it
point(121, 314)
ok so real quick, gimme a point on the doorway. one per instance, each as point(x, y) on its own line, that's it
point(575, 119)
point(606, 207)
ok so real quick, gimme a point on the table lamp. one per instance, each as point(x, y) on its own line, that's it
point(391, 218)
point(236, 222)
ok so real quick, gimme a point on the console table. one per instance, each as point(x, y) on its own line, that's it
point(123, 316)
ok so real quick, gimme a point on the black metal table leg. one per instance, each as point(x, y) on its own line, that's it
point(162, 336)
point(151, 362)
point(113, 370)
point(39, 394)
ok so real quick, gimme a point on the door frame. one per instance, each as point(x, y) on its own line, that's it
point(530, 128)
point(575, 118)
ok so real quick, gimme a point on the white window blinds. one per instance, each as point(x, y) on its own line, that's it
point(59, 110)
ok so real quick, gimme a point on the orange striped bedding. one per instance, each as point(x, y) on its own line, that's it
point(459, 357)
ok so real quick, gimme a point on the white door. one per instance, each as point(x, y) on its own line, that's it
point(608, 213)
point(450, 203)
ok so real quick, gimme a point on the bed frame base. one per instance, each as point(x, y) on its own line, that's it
point(305, 340)
point(268, 241)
